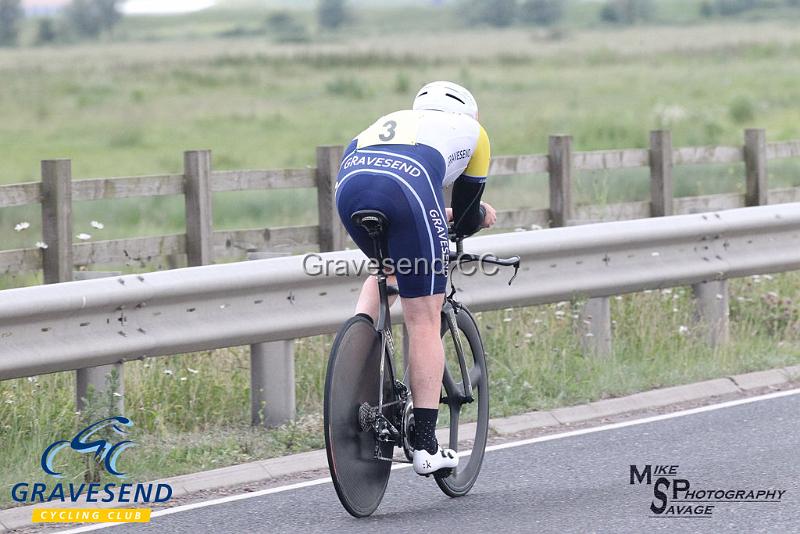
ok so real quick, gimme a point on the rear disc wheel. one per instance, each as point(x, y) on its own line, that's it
point(351, 381)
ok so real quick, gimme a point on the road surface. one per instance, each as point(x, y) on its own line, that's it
point(563, 483)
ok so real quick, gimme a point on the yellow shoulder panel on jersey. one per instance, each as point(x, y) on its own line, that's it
point(479, 162)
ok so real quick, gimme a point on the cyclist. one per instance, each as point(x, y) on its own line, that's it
point(399, 166)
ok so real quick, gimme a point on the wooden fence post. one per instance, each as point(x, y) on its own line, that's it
point(93, 383)
point(711, 310)
point(199, 219)
point(755, 161)
point(57, 220)
point(331, 232)
point(560, 164)
point(661, 192)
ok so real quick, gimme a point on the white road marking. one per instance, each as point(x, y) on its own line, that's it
point(541, 439)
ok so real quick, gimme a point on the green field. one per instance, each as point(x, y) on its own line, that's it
point(131, 106)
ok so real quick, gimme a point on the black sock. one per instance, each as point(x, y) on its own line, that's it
point(365, 316)
point(425, 429)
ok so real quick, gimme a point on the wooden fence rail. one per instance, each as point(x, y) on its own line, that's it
point(202, 245)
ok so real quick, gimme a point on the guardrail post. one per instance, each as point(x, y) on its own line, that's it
point(331, 232)
point(595, 326)
point(197, 194)
point(560, 165)
point(755, 161)
point(711, 310)
point(94, 382)
point(272, 384)
point(57, 220)
point(661, 192)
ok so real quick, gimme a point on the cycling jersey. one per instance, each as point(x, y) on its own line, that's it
point(460, 140)
point(399, 166)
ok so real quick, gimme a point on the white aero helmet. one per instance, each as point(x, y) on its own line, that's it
point(446, 96)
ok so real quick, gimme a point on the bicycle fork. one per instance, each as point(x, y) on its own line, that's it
point(450, 312)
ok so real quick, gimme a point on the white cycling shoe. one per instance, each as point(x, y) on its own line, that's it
point(426, 463)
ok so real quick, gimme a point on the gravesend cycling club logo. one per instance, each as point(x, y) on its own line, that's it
point(106, 453)
point(103, 451)
point(675, 497)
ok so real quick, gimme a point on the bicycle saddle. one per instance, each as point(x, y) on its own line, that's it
point(373, 221)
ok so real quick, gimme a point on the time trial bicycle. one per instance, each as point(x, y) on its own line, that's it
point(368, 411)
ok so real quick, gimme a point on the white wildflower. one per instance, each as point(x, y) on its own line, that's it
point(24, 225)
point(668, 114)
point(683, 329)
point(184, 379)
point(168, 372)
point(41, 245)
point(560, 313)
point(193, 371)
point(84, 237)
point(97, 224)
point(528, 335)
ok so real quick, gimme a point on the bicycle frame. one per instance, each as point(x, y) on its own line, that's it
point(384, 429)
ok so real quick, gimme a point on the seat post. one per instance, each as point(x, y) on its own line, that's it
point(376, 245)
point(375, 223)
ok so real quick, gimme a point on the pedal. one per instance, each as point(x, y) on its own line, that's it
point(443, 473)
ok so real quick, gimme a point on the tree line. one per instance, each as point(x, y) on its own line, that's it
point(91, 19)
point(331, 14)
point(81, 19)
point(501, 13)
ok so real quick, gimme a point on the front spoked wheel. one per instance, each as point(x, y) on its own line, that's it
point(457, 482)
point(351, 392)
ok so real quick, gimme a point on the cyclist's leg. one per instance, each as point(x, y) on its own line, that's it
point(418, 243)
point(369, 298)
point(426, 354)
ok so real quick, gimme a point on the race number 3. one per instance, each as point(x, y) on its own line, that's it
point(391, 129)
point(399, 128)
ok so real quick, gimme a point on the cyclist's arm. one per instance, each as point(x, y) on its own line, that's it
point(468, 214)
